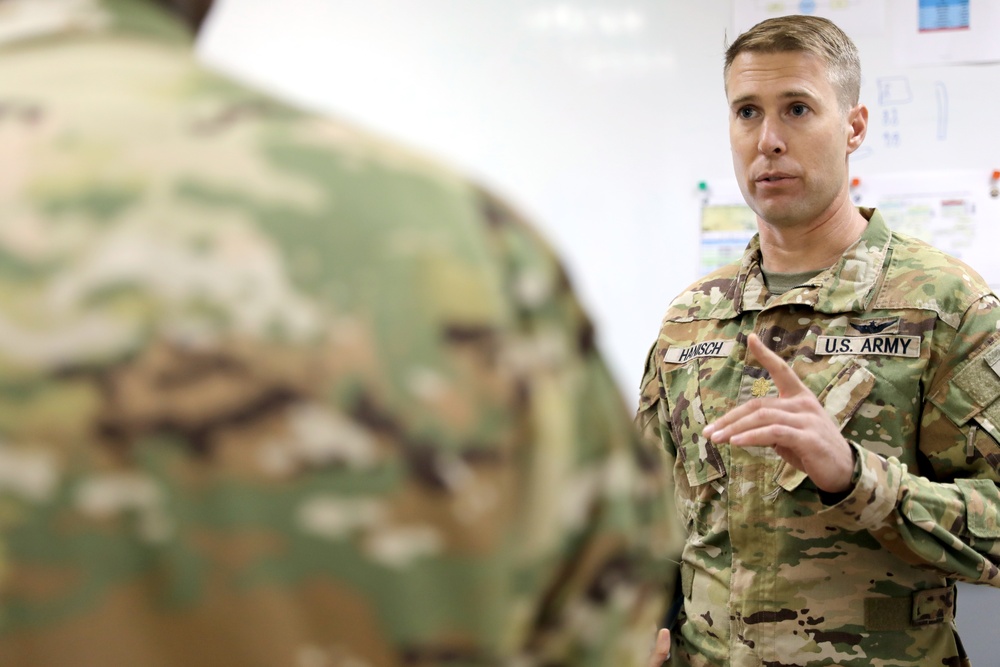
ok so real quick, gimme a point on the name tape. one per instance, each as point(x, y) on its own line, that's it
point(710, 348)
point(887, 345)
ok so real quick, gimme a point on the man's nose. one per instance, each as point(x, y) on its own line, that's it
point(771, 141)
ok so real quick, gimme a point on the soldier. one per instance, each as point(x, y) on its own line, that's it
point(831, 400)
point(274, 392)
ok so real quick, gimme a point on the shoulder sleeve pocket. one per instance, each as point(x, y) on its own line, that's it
point(975, 386)
point(976, 396)
point(649, 389)
point(981, 502)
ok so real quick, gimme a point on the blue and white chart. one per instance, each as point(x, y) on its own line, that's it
point(946, 32)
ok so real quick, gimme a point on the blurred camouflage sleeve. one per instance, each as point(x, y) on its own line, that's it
point(274, 391)
point(593, 492)
point(947, 519)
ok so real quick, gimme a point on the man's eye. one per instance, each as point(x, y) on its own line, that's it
point(746, 112)
point(799, 109)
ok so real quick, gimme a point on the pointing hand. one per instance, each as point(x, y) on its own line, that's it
point(795, 424)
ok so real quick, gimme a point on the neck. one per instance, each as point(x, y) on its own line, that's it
point(814, 246)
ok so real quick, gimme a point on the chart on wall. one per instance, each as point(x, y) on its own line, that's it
point(957, 211)
point(726, 228)
point(946, 32)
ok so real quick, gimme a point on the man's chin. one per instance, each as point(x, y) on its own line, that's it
point(777, 215)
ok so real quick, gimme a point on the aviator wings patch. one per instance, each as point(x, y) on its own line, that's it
point(872, 327)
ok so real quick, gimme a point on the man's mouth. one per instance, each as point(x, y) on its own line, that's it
point(773, 178)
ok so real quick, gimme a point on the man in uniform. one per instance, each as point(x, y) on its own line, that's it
point(832, 400)
point(274, 392)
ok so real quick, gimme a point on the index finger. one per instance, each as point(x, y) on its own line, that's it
point(661, 651)
point(785, 379)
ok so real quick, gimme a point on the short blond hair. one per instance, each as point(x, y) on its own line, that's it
point(810, 34)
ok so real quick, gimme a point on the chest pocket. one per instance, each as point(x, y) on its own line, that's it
point(841, 398)
point(702, 459)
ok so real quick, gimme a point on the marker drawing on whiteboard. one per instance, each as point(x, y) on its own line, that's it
point(941, 93)
point(894, 90)
point(995, 184)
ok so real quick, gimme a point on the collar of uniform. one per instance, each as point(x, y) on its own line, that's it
point(724, 293)
point(23, 21)
point(751, 289)
point(846, 286)
point(849, 285)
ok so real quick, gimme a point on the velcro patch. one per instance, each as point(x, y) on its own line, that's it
point(993, 359)
point(710, 348)
point(886, 345)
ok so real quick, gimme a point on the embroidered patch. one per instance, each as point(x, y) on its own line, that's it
point(710, 348)
point(886, 345)
point(886, 325)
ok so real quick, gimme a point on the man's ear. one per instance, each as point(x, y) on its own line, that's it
point(857, 125)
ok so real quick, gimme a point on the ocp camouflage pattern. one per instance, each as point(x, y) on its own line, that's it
point(900, 343)
point(276, 392)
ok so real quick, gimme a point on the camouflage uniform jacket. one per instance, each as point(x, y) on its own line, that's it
point(276, 393)
point(900, 343)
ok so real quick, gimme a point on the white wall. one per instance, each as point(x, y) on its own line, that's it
point(585, 115)
point(598, 118)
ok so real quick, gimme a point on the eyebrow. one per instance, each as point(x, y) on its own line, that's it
point(788, 94)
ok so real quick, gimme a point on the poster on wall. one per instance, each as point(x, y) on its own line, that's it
point(946, 32)
point(725, 231)
point(957, 211)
